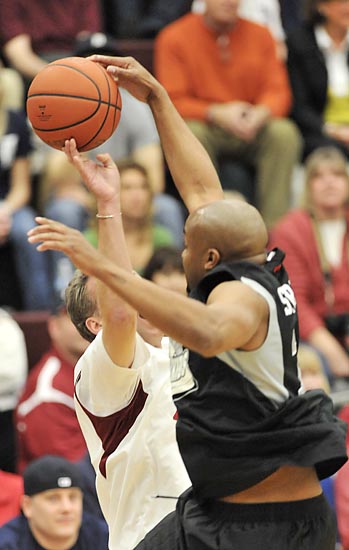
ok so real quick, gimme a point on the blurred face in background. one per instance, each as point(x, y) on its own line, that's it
point(54, 516)
point(335, 12)
point(221, 13)
point(172, 279)
point(65, 336)
point(136, 196)
point(328, 189)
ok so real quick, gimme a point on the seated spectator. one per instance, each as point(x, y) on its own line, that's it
point(13, 372)
point(10, 496)
point(137, 139)
point(143, 235)
point(165, 268)
point(45, 417)
point(315, 240)
point(16, 216)
point(52, 507)
point(141, 18)
point(34, 33)
point(228, 83)
point(319, 75)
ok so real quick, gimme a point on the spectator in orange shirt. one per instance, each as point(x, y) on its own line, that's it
point(224, 76)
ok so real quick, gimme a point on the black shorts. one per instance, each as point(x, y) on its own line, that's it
point(301, 525)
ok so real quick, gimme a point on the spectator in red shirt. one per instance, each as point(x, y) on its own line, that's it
point(45, 417)
point(316, 239)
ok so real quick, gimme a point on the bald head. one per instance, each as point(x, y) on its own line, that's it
point(233, 227)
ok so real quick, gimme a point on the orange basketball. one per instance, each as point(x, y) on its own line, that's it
point(76, 98)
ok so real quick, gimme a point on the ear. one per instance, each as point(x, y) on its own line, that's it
point(93, 324)
point(26, 505)
point(213, 258)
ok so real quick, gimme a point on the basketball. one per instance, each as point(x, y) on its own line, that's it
point(75, 98)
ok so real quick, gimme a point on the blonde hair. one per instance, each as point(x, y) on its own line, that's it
point(80, 304)
point(323, 155)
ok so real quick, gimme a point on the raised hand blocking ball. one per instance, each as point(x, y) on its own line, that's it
point(75, 98)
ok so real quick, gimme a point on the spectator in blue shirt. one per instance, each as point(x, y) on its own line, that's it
point(52, 507)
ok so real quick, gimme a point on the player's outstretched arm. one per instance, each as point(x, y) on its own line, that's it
point(232, 318)
point(118, 318)
point(191, 167)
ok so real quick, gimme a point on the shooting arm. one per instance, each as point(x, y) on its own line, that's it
point(118, 318)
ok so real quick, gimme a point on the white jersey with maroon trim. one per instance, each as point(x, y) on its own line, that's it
point(128, 420)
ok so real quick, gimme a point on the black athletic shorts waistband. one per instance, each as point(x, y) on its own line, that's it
point(269, 511)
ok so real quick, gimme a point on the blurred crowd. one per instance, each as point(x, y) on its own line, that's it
point(264, 85)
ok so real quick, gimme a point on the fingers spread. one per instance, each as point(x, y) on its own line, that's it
point(48, 224)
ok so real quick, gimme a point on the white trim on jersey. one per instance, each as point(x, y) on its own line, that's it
point(263, 367)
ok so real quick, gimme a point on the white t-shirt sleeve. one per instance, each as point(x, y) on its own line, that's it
point(13, 361)
point(103, 387)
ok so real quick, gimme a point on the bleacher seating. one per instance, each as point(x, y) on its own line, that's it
point(34, 326)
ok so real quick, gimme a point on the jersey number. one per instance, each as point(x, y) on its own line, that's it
point(288, 299)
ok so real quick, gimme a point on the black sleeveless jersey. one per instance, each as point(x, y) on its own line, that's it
point(243, 414)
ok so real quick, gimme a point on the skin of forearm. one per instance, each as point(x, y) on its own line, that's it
point(186, 320)
point(19, 194)
point(187, 159)
point(111, 243)
point(119, 319)
point(22, 58)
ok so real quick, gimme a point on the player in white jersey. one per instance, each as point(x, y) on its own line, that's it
point(128, 420)
point(122, 390)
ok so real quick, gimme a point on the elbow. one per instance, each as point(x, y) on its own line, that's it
point(205, 343)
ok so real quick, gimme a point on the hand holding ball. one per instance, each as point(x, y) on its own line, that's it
point(75, 98)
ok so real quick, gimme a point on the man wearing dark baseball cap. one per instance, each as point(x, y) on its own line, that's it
point(52, 507)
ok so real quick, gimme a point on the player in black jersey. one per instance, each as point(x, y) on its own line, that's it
point(254, 443)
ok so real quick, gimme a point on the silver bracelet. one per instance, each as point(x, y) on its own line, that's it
point(105, 216)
